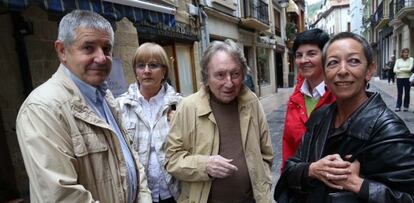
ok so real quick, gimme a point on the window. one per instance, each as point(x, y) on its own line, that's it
point(263, 65)
point(185, 70)
point(277, 22)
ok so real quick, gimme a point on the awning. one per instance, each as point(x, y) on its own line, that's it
point(292, 7)
point(113, 11)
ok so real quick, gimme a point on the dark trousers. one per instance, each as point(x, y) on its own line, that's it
point(391, 76)
point(169, 200)
point(403, 84)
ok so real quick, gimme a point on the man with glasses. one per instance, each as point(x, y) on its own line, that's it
point(218, 145)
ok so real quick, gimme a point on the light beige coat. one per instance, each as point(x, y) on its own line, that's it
point(194, 136)
point(70, 154)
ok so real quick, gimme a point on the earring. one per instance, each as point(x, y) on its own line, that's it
point(367, 86)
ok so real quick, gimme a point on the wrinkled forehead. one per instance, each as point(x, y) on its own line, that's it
point(91, 34)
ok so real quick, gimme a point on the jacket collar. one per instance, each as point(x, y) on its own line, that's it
point(367, 115)
point(78, 104)
point(131, 97)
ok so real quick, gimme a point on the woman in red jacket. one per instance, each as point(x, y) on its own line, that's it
point(310, 92)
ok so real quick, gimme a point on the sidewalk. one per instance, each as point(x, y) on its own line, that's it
point(389, 95)
point(275, 101)
point(391, 89)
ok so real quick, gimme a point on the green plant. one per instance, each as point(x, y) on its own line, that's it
point(290, 30)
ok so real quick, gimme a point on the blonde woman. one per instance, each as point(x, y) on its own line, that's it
point(402, 70)
point(145, 109)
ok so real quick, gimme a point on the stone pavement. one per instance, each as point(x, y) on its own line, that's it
point(389, 95)
point(275, 108)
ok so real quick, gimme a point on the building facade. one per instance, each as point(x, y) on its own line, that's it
point(253, 25)
point(335, 17)
point(295, 23)
point(402, 22)
point(356, 11)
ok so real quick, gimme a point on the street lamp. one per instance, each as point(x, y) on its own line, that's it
point(283, 3)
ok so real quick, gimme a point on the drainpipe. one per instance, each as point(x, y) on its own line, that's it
point(205, 35)
point(22, 28)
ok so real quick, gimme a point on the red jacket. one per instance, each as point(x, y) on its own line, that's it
point(296, 119)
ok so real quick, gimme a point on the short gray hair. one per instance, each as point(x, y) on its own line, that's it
point(228, 46)
point(82, 19)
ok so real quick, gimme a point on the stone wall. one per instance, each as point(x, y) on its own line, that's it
point(11, 97)
point(43, 60)
point(126, 42)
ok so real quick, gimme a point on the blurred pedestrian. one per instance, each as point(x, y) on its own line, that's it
point(389, 68)
point(356, 149)
point(248, 80)
point(71, 137)
point(219, 145)
point(402, 69)
point(310, 93)
point(146, 108)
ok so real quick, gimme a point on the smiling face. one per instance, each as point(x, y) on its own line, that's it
point(225, 77)
point(89, 56)
point(308, 59)
point(346, 69)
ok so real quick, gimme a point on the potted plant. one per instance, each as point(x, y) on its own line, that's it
point(290, 33)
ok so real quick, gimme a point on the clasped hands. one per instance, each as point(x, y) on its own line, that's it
point(337, 173)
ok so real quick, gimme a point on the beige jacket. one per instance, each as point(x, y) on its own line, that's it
point(194, 137)
point(70, 154)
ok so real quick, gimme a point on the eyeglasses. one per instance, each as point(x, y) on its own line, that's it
point(151, 65)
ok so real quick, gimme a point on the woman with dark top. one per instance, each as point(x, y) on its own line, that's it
point(356, 149)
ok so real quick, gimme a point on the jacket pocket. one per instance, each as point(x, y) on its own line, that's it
point(87, 143)
point(130, 128)
point(91, 151)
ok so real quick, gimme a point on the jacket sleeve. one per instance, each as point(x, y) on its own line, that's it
point(396, 70)
point(144, 194)
point(295, 173)
point(265, 141)
point(389, 176)
point(296, 169)
point(378, 192)
point(48, 156)
point(287, 148)
point(180, 161)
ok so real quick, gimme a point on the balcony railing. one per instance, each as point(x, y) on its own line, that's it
point(391, 9)
point(257, 9)
point(402, 4)
point(379, 14)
